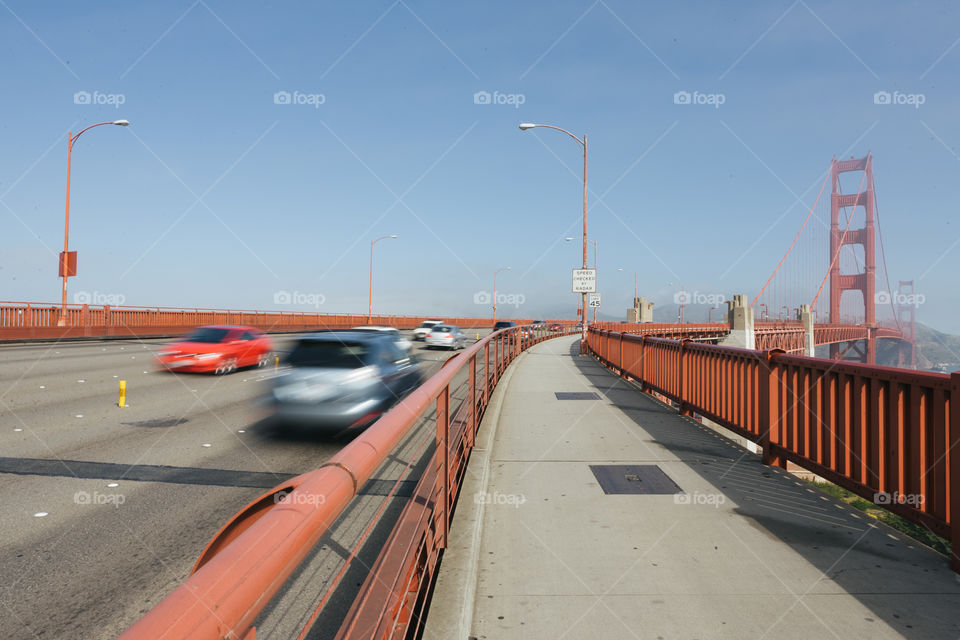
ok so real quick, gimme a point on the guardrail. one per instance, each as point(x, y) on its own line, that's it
point(29, 320)
point(667, 329)
point(890, 435)
point(248, 561)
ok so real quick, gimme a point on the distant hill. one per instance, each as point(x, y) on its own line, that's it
point(937, 351)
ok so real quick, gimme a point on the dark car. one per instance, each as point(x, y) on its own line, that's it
point(341, 379)
point(503, 324)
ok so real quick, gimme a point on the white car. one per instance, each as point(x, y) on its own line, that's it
point(447, 335)
point(421, 332)
point(398, 339)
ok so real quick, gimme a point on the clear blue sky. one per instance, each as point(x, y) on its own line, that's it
point(218, 196)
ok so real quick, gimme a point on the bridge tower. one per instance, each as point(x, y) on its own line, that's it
point(865, 281)
point(906, 306)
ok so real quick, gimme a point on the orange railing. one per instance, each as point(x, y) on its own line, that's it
point(26, 320)
point(253, 555)
point(890, 435)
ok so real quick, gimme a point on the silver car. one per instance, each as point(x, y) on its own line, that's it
point(447, 335)
point(341, 379)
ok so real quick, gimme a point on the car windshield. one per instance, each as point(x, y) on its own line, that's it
point(442, 328)
point(210, 335)
point(503, 324)
point(428, 323)
point(323, 353)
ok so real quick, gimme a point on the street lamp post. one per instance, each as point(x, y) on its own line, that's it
point(495, 292)
point(595, 271)
point(710, 313)
point(370, 299)
point(68, 267)
point(583, 143)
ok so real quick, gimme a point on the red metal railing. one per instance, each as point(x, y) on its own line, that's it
point(887, 434)
point(666, 329)
point(248, 561)
point(26, 320)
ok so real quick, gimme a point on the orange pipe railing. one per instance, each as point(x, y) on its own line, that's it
point(890, 435)
point(248, 561)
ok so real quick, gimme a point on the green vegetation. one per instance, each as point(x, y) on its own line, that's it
point(916, 531)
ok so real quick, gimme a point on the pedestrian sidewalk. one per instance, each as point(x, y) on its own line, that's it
point(539, 550)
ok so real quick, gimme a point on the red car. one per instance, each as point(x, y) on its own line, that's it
point(217, 349)
point(556, 327)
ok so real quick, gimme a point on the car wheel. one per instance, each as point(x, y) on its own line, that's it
point(227, 366)
point(264, 360)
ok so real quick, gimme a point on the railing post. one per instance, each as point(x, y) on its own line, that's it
point(443, 446)
point(643, 362)
point(953, 452)
point(770, 415)
point(683, 388)
point(472, 400)
point(623, 374)
point(486, 374)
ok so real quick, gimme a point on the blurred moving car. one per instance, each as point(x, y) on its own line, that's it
point(447, 335)
point(555, 327)
point(538, 322)
point(421, 332)
point(341, 379)
point(503, 324)
point(394, 334)
point(217, 349)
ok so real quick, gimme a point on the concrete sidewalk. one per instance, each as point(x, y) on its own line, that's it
point(539, 550)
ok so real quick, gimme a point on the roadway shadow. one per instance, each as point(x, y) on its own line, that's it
point(870, 561)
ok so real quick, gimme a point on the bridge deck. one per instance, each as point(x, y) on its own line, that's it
point(538, 550)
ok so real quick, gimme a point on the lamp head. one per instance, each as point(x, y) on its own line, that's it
point(121, 123)
point(526, 125)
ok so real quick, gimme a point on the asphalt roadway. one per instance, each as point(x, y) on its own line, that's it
point(105, 509)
